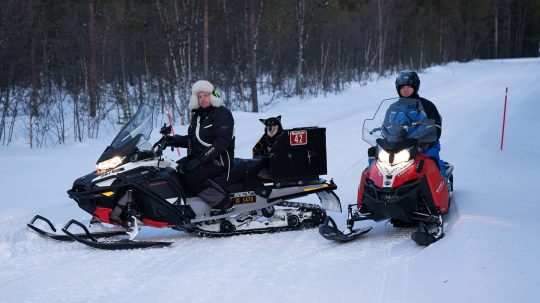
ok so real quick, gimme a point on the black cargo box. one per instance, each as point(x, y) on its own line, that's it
point(299, 154)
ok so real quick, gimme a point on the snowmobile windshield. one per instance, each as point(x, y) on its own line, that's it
point(397, 120)
point(135, 134)
point(139, 127)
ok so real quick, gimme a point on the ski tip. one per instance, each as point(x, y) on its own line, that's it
point(338, 236)
point(330, 232)
point(423, 238)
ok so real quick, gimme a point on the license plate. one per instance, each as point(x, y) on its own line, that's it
point(244, 197)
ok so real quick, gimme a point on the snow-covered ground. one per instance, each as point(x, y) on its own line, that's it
point(490, 252)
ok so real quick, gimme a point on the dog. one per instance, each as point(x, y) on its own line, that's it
point(272, 130)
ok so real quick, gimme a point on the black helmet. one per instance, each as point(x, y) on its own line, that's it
point(408, 77)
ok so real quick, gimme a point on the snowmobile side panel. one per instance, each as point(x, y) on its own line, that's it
point(148, 222)
point(152, 205)
point(407, 174)
point(201, 208)
point(437, 185)
point(103, 214)
point(375, 175)
point(360, 196)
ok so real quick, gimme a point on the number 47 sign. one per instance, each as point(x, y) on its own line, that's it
point(298, 137)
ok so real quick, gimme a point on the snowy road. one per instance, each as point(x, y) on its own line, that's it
point(488, 255)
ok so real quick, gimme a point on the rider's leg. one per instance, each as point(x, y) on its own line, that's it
point(372, 154)
point(198, 181)
point(433, 152)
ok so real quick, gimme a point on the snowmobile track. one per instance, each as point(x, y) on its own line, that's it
point(306, 224)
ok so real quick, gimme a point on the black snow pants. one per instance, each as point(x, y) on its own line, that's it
point(199, 180)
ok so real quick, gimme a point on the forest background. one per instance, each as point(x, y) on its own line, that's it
point(69, 67)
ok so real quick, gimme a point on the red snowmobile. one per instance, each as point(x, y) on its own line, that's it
point(401, 184)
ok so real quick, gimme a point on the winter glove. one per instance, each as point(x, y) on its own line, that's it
point(168, 141)
point(192, 165)
point(165, 130)
point(159, 148)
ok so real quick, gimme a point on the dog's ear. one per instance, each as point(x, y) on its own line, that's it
point(279, 118)
point(263, 121)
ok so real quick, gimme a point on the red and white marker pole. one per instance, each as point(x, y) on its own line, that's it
point(504, 117)
point(170, 123)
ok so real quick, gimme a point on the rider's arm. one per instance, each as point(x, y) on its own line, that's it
point(433, 113)
point(180, 141)
point(223, 128)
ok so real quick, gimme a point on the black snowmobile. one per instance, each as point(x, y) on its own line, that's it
point(135, 185)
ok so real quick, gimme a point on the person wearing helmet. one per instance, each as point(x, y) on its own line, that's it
point(210, 143)
point(407, 86)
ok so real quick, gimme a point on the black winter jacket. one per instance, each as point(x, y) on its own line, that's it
point(210, 136)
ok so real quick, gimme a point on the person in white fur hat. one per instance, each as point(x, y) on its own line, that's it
point(210, 143)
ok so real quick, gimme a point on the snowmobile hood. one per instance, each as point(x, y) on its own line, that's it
point(396, 146)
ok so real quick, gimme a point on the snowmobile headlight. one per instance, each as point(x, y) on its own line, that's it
point(384, 156)
point(401, 156)
point(109, 164)
point(394, 158)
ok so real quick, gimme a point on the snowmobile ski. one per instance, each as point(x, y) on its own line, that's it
point(65, 237)
point(330, 232)
point(109, 245)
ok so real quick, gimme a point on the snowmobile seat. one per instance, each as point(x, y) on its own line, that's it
point(243, 173)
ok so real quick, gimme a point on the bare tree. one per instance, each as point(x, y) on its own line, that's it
point(255, 12)
point(5, 103)
point(301, 40)
point(496, 29)
point(92, 85)
point(115, 54)
point(205, 39)
point(34, 111)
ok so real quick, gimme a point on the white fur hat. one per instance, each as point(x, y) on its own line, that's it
point(203, 86)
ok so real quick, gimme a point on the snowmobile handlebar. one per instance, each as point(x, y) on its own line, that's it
point(404, 126)
point(165, 130)
point(376, 129)
point(161, 144)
